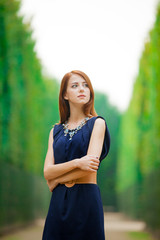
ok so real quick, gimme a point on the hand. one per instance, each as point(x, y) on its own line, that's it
point(52, 184)
point(88, 163)
point(69, 182)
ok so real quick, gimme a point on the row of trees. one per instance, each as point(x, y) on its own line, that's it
point(128, 177)
point(107, 170)
point(28, 109)
point(24, 93)
point(138, 167)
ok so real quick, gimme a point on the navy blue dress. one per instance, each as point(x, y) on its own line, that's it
point(75, 213)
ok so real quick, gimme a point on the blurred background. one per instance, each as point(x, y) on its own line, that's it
point(117, 44)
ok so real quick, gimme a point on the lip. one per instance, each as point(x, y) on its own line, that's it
point(82, 95)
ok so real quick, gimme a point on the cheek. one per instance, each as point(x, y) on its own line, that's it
point(88, 91)
point(88, 94)
point(72, 93)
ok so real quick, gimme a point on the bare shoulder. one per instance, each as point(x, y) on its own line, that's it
point(51, 131)
point(98, 133)
point(99, 123)
point(51, 135)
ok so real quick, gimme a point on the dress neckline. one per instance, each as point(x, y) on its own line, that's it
point(77, 126)
point(73, 131)
point(80, 124)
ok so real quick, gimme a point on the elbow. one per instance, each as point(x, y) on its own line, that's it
point(48, 173)
point(45, 173)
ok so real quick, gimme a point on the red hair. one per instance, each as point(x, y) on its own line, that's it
point(64, 109)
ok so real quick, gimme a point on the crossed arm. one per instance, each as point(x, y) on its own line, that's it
point(76, 168)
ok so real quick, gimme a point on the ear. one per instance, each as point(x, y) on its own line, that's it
point(65, 96)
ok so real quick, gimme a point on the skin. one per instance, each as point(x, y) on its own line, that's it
point(80, 170)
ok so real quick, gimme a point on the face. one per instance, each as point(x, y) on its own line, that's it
point(77, 91)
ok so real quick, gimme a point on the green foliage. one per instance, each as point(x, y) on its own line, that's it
point(24, 197)
point(107, 170)
point(138, 167)
point(25, 94)
point(28, 109)
point(139, 236)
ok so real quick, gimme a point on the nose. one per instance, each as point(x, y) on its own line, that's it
point(81, 88)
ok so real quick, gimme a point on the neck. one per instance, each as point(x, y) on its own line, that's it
point(76, 114)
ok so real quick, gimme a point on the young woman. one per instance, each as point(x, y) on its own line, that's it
point(76, 146)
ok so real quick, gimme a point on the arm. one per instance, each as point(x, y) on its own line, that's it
point(52, 171)
point(72, 175)
point(94, 149)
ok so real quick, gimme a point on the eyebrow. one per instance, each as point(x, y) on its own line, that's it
point(77, 82)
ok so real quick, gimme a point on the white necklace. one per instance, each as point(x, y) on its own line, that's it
point(71, 132)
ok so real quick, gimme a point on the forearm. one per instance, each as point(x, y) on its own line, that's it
point(72, 175)
point(86, 164)
point(58, 170)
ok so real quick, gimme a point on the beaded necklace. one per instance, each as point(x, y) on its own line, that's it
point(71, 132)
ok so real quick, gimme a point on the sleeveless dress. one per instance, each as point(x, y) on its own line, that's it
point(75, 213)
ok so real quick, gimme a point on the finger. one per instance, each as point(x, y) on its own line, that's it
point(90, 169)
point(93, 170)
point(95, 161)
point(94, 164)
point(94, 167)
point(94, 157)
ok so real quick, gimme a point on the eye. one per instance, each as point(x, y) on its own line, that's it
point(85, 84)
point(74, 85)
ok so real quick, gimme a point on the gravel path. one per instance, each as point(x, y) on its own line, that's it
point(116, 228)
point(118, 225)
point(28, 233)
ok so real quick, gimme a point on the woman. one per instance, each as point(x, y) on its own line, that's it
point(76, 147)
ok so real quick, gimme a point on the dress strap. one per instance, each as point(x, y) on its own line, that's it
point(56, 130)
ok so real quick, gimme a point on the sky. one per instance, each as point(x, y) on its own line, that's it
point(103, 38)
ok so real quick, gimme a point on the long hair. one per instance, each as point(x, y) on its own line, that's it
point(64, 109)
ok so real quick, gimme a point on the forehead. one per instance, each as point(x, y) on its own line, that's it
point(76, 78)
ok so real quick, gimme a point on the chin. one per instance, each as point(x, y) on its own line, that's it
point(83, 101)
point(80, 103)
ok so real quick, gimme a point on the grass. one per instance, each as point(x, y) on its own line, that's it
point(140, 236)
